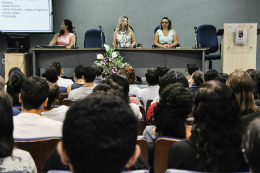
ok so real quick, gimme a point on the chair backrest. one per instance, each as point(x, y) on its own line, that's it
point(142, 126)
point(188, 131)
point(141, 108)
point(189, 121)
point(161, 150)
point(62, 96)
point(156, 28)
point(68, 102)
point(148, 104)
point(207, 37)
point(144, 148)
point(93, 39)
point(63, 89)
point(39, 148)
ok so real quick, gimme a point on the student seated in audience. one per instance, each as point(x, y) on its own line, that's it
point(191, 68)
point(222, 77)
point(57, 114)
point(242, 85)
point(12, 70)
point(109, 87)
point(162, 70)
point(14, 85)
point(30, 123)
point(171, 77)
point(79, 82)
point(152, 78)
point(169, 115)
point(11, 158)
point(108, 144)
point(51, 75)
point(250, 146)
point(61, 82)
point(211, 74)
point(215, 143)
point(196, 81)
point(89, 75)
point(99, 70)
point(129, 71)
point(121, 79)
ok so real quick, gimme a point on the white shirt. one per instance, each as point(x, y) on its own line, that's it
point(156, 100)
point(136, 110)
point(30, 125)
point(133, 88)
point(64, 82)
point(148, 93)
point(20, 160)
point(57, 114)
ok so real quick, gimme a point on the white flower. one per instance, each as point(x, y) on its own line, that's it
point(100, 56)
point(107, 47)
point(114, 55)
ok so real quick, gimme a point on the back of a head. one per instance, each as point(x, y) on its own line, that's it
point(129, 71)
point(172, 77)
point(172, 110)
point(256, 86)
point(57, 66)
point(250, 145)
point(99, 69)
point(217, 118)
point(108, 142)
point(210, 75)
point(14, 85)
point(14, 69)
point(152, 76)
point(34, 92)
point(51, 74)
point(54, 92)
point(222, 77)
point(162, 70)
point(242, 85)
point(191, 67)
point(251, 72)
point(198, 77)
point(6, 125)
point(121, 79)
point(109, 87)
point(2, 82)
point(89, 74)
point(79, 70)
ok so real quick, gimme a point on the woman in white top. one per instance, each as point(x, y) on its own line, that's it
point(11, 159)
point(57, 114)
point(165, 37)
point(123, 35)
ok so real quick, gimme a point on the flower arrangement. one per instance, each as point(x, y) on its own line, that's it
point(111, 61)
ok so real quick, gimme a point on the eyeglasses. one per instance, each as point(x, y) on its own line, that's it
point(165, 22)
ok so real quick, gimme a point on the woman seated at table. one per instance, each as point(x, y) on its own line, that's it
point(123, 35)
point(65, 37)
point(165, 37)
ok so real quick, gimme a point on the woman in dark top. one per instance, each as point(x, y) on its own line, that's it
point(215, 144)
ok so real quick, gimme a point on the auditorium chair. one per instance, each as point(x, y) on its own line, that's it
point(142, 126)
point(141, 108)
point(207, 37)
point(68, 102)
point(62, 96)
point(161, 150)
point(188, 130)
point(148, 104)
point(142, 142)
point(93, 39)
point(39, 148)
point(63, 89)
point(189, 121)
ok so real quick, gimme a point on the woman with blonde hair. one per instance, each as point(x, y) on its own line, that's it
point(123, 35)
point(242, 85)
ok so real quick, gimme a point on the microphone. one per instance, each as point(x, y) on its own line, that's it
point(196, 44)
point(100, 27)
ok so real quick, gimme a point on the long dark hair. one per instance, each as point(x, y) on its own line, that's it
point(217, 129)
point(170, 23)
point(6, 125)
point(68, 23)
point(54, 92)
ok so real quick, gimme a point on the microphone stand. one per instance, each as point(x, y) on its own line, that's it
point(75, 36)
point(196, 43)
point(100, 27)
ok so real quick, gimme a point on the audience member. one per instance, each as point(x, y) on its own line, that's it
point(171, 77)
point(149, 93)
point(11, 158)
point(129, 71)
point(109, 87)
point(12, 70)
point(57, 114)
point(162, 70)
point(222, 77)
point(61, 82)
point(99, 70)
point(256, 86)
point(196, 81)
point(169, 115)
point(242, 85)
point(51, 75)
point(215, 143)
point(191, 68)
point(211, 74)
point(250, 146)
point(121, 79)
point(89, 75)
point(251, 72)
point(108, 144)
point(14, 85)
point(79, 82)
point(30, 123)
